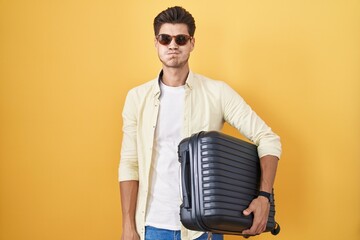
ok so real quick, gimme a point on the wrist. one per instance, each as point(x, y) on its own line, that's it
point(129, 224)
point(265, 195)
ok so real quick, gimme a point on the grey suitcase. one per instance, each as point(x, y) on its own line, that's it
point(220, 176)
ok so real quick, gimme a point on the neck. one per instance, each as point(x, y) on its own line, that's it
point(175, 77)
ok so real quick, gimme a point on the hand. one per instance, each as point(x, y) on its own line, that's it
point(260, 206)
point(130, 235)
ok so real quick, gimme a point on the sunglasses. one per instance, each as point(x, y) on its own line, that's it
point(165, 39)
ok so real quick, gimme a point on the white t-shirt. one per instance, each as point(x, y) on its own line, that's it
point(164, 198)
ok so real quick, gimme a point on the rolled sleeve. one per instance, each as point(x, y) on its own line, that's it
point(240, 115)
point(270, 145)
point(128, 170)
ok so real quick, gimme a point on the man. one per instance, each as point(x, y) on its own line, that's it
point(158, 114)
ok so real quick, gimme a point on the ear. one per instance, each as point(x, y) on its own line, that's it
point(192, 42)
point(155, 42)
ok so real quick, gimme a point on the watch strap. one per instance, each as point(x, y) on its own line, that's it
point(265, 194)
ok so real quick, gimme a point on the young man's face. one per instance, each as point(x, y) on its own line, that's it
point(174, 55)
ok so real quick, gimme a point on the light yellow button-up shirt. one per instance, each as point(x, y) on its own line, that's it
point(208, 104)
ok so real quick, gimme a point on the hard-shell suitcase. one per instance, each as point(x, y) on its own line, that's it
point(220, 176)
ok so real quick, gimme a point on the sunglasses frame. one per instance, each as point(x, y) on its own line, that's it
point(187, 38)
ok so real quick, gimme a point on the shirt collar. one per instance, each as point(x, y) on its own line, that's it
point(189, 82)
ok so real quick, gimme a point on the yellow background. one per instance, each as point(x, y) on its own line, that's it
point(66, 66)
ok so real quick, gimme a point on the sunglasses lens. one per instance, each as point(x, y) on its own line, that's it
point(181, 39)
point(164, 39)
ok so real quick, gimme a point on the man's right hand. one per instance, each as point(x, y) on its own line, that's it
point(130, 235)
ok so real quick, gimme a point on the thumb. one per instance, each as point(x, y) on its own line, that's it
point(248, 211)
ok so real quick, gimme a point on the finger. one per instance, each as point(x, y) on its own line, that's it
point(250, 231)
point(261, 227)
point(246, 233)
point(256, 228)
point(249, 210)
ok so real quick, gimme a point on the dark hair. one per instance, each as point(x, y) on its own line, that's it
point(174, 15)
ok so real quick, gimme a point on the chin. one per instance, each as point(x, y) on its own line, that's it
point(171, 63)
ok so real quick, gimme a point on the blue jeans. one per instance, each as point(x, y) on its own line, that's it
point(152, 233)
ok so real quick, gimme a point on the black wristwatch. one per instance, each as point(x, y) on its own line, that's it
point(265, 194)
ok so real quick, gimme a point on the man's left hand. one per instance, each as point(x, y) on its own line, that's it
point(260, 207)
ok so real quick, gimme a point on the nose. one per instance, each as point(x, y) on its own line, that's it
point(172, 44)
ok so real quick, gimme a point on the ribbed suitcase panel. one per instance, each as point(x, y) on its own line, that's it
point(225, 179)
point(227, 184)
point(212, 163)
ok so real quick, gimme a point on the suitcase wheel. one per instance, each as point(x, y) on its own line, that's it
point(276, 229)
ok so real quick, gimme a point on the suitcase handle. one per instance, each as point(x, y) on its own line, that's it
point(185, 181)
